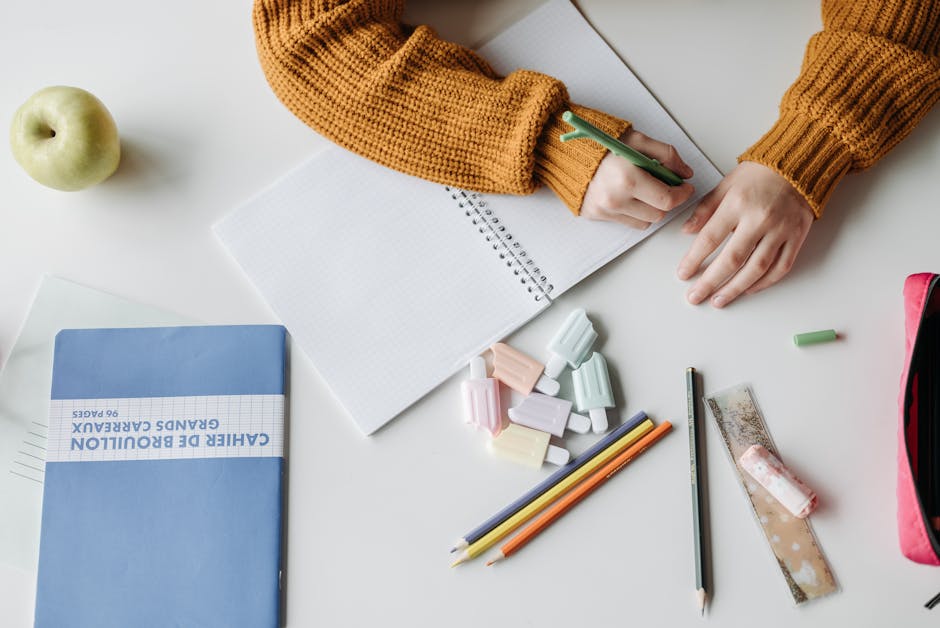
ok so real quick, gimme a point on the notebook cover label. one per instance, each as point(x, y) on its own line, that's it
point(166, 428)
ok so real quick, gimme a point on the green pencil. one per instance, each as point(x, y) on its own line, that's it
point(695, 467)
point(583, 128)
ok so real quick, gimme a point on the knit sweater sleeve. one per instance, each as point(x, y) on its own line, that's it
point(404, 98)
point(867, 79)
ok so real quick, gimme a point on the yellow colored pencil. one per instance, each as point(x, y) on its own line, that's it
point(581, 491)
point(538, 504)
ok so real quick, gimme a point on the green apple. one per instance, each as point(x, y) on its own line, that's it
point(65, 138)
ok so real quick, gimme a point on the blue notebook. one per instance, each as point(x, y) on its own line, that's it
point(162, 497)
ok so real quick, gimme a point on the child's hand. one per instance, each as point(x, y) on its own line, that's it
point(767, 219)
point(628, 194)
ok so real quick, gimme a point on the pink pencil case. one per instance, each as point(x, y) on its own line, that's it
point(919, 422)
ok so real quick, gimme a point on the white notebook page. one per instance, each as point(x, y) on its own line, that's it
point(380, 277)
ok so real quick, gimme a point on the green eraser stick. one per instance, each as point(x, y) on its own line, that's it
point(583, 128)
point(814, 337)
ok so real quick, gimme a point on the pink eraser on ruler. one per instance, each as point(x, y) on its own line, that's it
point(779, 481)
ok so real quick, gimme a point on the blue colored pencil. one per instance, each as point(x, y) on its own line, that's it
point(484, 528)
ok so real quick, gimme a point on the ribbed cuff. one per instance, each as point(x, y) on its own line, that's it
point(568, 167)
point(806, 153)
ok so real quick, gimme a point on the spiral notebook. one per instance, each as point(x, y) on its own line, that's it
point(390, 284)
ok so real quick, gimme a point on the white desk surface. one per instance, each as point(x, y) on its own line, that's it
point(371, 519)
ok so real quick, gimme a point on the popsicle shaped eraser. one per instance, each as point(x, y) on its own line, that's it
point(520, 372)
point(527, 446)
point(592, 390)
point(549, 414)
point(481, 398)
point(571, 343)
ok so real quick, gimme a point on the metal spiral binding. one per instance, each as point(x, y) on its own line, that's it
point(474, 206)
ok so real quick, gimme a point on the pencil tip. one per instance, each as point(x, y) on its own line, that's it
point(489, 563)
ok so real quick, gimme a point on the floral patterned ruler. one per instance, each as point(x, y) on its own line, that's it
point(792, 541)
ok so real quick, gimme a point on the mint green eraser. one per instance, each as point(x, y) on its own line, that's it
point(814, 337)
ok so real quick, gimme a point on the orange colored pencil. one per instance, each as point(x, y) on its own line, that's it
point(579, 492)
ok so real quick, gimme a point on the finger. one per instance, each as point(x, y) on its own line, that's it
point(706, 242)
point(704, 210)
point(665, 153)
point(624, 219)
point(639, 210)
point(780, 268)
point(731, 259)
point(654, 192)
point(758, 264)
point(619, 199)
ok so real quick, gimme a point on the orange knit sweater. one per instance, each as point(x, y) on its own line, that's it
point(867, 79)
point(403, 97)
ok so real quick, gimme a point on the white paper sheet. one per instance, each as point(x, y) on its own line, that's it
point(24, 401)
